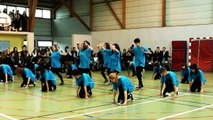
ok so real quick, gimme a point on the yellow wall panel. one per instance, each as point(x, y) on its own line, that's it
point(15, 40)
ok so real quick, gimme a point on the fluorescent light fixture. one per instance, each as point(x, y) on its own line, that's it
point(45, 43)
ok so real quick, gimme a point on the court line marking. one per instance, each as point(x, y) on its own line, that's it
point(186, 112)
point(210, 96)
point(194, 94)
point(99, 111)
point(6, 116)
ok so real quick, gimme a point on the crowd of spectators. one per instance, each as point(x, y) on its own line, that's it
point(18, 21)
point(16, 58)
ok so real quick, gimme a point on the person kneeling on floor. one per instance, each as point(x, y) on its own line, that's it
point(171, 82)
point(6, 73)
point(184, 73)
point(84, 84)
point(196, 79)
point(47, 78)
point(27, 76)
point(125, 88)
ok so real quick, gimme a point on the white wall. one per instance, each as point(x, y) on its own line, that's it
point(80, 38)
point(188, 12)
point(152, 37)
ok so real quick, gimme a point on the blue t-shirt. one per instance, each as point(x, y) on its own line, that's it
point(73, 67)
point(86, 79)
point(132, 63)
point(170, 76)
point(35, 66)
point(115, 61)
point(29, 74)
point(125, 83)
point(156, 69)
point(7, 69)
point(84, 58)
point(55, 60)
point(140, 58)
point(199, 75)
point(48, 76)
point(185, 72)
point(106, 58)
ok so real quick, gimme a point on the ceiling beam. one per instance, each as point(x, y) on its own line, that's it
point(163, 24)
point(105, 2)
point(91, 14)
point(56, 7)
point(73, 13)
point(124, 13)
point(32, 6)
point(49, 2)
point(114, 14)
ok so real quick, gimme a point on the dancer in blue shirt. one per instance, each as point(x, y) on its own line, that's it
point(106, 60)
point(184, 73)
point(27, 76)
point(85, 51)
point(84, 84)
point(47, 78)
point(156, 70)
point(139, 51)
point(7, 73)
point(125, 88)
point(171, 82)
point(196, 79)
point(115, 59)
point(131, 67)
point(55, 62)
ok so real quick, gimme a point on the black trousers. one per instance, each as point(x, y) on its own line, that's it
point(168, 88)
point(51, 86)
point(185, 79)
point(103, 73)
point(2, 76)
point(86, 70)
point(121, 94)
point(82, 92)
point(139, 69)
point(57, 72)
point(196, 85)
point(24, 83)
point(133, 70)
point(157, 76)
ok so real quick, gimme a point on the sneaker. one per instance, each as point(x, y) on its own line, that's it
point(138, 88)
point(62, 83)
point(106, 81)
point(120, 102)
point(13, 79)
point(54, 88)
point(167, 95)
point(130, 97)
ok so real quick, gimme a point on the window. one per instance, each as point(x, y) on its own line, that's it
point(45, 43)
point(27, 11)
point(2, 7)
point(25, 43)
point(21, 10)
point(38, 13)
point(11, 8)
point(47, 14)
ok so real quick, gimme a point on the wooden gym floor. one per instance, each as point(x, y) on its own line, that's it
point(32, 104)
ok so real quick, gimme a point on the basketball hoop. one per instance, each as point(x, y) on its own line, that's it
point(5, 21)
